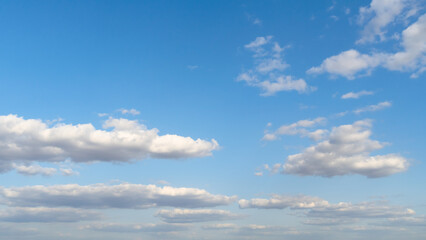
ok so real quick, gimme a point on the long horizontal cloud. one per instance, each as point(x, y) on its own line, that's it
point(321, 212)
point(26, 140)
point(126, 228)
point(99, 196)
point(346, 151)
point(196, 215)
point(42, 214)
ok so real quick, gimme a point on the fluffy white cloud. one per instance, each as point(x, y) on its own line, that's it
point(267, 72)
point(383, 13)
point(42, 214)
point(297, 128)
point(373, 108)
point(346, 151)
point(99, 196)
point(412, 57)
point(121, 140)
point(356, 95)
point(196, 215)
point(126, 228)
point(349, 63)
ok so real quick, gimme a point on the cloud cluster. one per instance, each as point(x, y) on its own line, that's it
point(100, 196)
point(377, 16)
point(196, 215)
point(298, 128)
point(121, 140)
point(352, 63)
point(346, 151)
point(269, 65)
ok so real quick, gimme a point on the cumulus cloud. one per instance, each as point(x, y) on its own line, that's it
point(356, 95)
point(297, 128)
point(120, 140)
point(126, 228)
point(100, 196)
point(42, 214)
point(349, 63)
point(412, 57)
point(196, 215)
point(346, 151)
point(129, 111)
point(377, 16)
point(267, 72)
point(373, 108)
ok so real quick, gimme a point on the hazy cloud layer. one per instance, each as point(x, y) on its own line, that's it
point(346, 151)
point(99, 196)
point(320, 212)
point(52, 215)
point(269, 65)
point(126, 228)
point(197, 215)
point(27, 140)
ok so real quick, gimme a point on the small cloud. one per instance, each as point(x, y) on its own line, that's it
point(163, 182)
point(259, 174)
point(129, 111)
point(347, 11)
point(334, 17)
point(68, 172)
point(257, 21)
point(373, 108)
point(192, 67)
point(356, 95)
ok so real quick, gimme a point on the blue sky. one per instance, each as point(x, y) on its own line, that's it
point(212, 120)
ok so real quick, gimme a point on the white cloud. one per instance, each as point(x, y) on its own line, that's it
point(356, 95)
point(99, 196)
point(42, 214)
point(196, 215)
point(28, 140)
point(414, 43)
point(129, 111)
point(281, 202)
point(373, 108)
point(297, 128)
point(126, 228)
point(267, 72)
point(346, 151)
point(380, 14)
point(412, 58)
point(348, 64)
point(34, 170)
point(258, 42)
